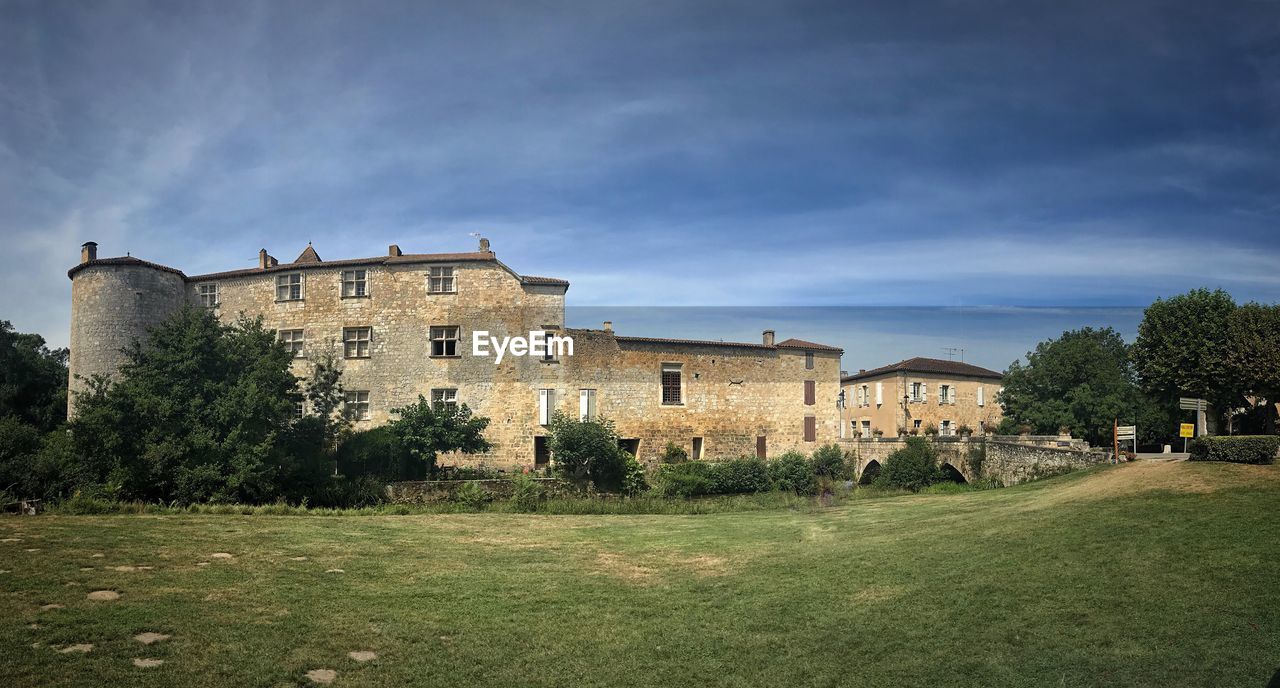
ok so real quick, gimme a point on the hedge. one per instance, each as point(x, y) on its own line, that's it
point(1236, 448)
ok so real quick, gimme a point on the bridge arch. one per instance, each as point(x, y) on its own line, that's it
point(952, 474)
point(869, 472)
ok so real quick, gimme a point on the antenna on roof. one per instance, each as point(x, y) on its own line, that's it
point(952, 352)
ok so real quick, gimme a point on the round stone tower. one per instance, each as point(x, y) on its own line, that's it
point(114, 301)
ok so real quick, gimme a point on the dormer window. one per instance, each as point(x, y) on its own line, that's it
point(289, 287)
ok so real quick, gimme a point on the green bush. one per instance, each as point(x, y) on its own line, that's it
point(526, 493)
point(472, 496)
point(634, 480)
point(587, 451)
point(1236, 449)
point(745, 475)
point(793, 472)
point(378, 452)
point(828, 461)
point(688, 479)
point(913, 467)
point(426, 430)
point(674, 453)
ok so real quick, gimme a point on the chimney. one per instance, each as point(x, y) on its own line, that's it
point(262, 258)
point(861, 370)
point(272, 262)
point(88, 251)
point(394, 250)
point(484, 245)
point(844, 373)
point(608, 326)
point(768, 337)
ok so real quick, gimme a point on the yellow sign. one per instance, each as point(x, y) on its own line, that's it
point(1187, 430)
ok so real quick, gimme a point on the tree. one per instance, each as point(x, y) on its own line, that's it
point(1252, 357)
point(324, 394)
point(426, 430)
point(913, 467)
point(1084, 381)
point(1181, 347)
point(33, 379)
point(194, 416)
point(587, 451)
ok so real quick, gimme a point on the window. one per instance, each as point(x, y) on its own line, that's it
point(808, 360)
point(299, 409)
point(208, 295)
point(546, 402)
point(355, 283)
point(945, 429)
point(916, 426)
point(982, 396)
point(945, 395)
point(697, 449)
point(541, 453)
point(444, 341)
point(293, 342)
point(866, 428)
point(440, 280)
point(916, 389)
point(762, 446)
point(355, 341)
point(879, 393)
point(866, 396)
point(357, 406)
point(586, 404)
point(810, 393)
point(447, 398)
point(671, 384)
point(810, 429)
point(289, 287)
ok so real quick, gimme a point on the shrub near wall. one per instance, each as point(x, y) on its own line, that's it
point(1236, 449)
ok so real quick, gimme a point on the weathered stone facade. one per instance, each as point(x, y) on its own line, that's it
point(732, 394)
point(1009, 459)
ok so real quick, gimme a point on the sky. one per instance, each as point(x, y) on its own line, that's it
point(890, 177)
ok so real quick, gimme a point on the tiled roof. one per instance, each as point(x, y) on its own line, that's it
point(308, 255)
point(534, 279)
point(379, 260)
point(123, 260)
point(936, 366)
point(802, 344)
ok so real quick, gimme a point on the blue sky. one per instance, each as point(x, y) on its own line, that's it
point(978, 157)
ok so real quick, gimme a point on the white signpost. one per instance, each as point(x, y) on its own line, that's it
point(1199, 406)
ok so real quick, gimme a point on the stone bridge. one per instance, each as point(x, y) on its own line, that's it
point(1009, 459)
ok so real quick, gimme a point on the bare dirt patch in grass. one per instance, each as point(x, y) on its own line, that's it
point(150, 637)
point(362, 655)
point(130, 569)
point(619, 566)
point(51, 607)
point(876, 593)
point(1175, 476)
point(220, 555)
point(142, 663)
point(79, 648)
point(323, 676)
point(103, 596)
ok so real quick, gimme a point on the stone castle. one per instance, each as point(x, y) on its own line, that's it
point(405, 324)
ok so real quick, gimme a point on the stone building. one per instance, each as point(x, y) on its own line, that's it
point(914, 395)
point(409, 324)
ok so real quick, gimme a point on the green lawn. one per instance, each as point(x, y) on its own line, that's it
point(1144, 574)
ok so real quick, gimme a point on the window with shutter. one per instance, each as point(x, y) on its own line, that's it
point(982, 397)
point(879, 393)
point(810, 393)
point(544, 406)
point(586, 404)
point(810, 428)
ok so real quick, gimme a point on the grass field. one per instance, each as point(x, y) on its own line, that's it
point(1152, 574)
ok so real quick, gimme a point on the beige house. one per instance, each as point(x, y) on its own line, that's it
point(409, 324)
point(919, 394)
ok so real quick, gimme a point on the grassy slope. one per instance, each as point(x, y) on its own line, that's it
point(1089, 579)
